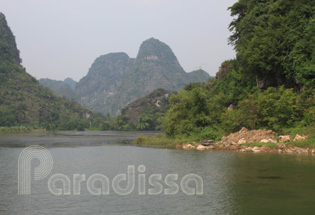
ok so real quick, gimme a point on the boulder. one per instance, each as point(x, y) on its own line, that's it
point(300, 138)
point(248, 149)
point(268, 141)
point(284, 138)
point(281, 145)
point(201, 148)
point(299, 150)
point(243, 130)
point(207, 142)
point(289, 151)
point(256, 149)
point(188, 146)
point(241, 141)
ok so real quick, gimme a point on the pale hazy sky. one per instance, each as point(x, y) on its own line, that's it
point(62, 38)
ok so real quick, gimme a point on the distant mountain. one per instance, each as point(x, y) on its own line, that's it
point(198, 76)
point(23, 100)
point(114, 80)
point(99, 90)
point(60, 88)
point(72, 83)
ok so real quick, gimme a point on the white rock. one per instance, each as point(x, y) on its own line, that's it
point(285, 138)
point(201, 147)
point(188, 147)
point(241, 141)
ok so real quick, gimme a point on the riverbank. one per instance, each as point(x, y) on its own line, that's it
point(20, 130)
point(254, 141)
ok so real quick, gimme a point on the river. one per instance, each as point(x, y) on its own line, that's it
point(232, 183)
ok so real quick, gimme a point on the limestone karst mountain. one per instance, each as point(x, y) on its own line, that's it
point(114, 80)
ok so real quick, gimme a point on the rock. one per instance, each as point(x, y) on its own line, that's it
point(300, 138)
point(224, 139)
point(231, 107)
point(241, 141)
point(256, 149)
point(188, 146)
point(281, 145)
point(250, 136)
point(234, 147)
point(207, 142)
point(268, 141)
point(201, 147)
point(299, 150)
point(243, 130)
point(289, 151)
point(234, 143)
point(249, 149)
point(285, 138)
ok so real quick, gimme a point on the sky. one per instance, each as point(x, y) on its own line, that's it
point(62, 38)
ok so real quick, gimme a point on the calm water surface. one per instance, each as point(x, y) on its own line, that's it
point(234, 183)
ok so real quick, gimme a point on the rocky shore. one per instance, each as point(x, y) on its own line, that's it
point(237, 142)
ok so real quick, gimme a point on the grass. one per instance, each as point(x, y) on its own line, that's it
point(162, 141)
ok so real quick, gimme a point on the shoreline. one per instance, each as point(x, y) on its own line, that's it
point(252, 141)
point(280, 149)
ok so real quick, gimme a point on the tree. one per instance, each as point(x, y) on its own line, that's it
point(274, 41)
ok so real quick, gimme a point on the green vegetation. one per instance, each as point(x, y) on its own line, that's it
point(269, 85)
point(143, 114)
point(162, 141)
point(60, 88)
point(25, 104)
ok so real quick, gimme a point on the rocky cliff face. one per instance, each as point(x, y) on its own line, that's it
point(99, 90)
point(114, 80)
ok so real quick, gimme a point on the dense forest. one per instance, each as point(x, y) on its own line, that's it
point(271, 82)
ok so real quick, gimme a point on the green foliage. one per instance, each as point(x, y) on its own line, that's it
point(144, 113)
point(274, 109)
point(23, 101)
point(274, 41)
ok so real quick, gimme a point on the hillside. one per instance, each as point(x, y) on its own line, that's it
point(145, 112)
point(114, 80)
point(60, 88)
point(270, 84)
point(23, 100)
point(99, 89)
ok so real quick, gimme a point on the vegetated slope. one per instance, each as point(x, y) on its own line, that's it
point(60, 88)
point(144, 113)
point(23, 100)
point(271, 82)
point(114, 80)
